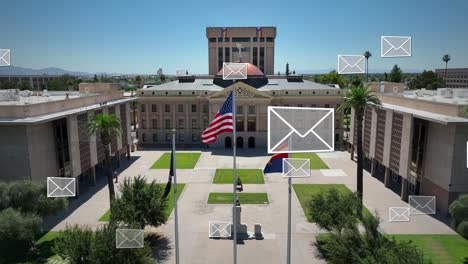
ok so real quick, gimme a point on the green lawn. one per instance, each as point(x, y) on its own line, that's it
point(170, 203)
point(305, 191)
point(446, 249)
point(245, 198)
point(441, 249)
point(315, 162)
point(44, 253)
point(183, 161)
point(248, 176)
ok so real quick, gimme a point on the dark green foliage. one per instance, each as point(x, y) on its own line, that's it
point(462, 229)
point(427, 79)
point(332, 78)
point(17, 233)
point(74, 244)
point(370, 247)
point(140, 203)
point(395, 74)
point(287, 69)
point(332, 210)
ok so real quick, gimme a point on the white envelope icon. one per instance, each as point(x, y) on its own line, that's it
point(300, 129)
point(351, 64)
point(296, 168)
point(398, 214)
point(395, 46)
point(421, 204)
point(234, 71)
point(129, 238)
point(4, 57)
point(61, 187)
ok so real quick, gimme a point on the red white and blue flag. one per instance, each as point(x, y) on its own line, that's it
point(221, 123)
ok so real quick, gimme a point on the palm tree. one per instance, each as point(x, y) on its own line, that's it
point(106, 125)
point(359, 98)
point(446, 59)
point(367, 55)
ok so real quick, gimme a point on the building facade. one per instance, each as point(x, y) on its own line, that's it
point(258, 47)
point(456, 77)
point(45, 134)
point(415, 143)
point(36, 82)
point(190, 103)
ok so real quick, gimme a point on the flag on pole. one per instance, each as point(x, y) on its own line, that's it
point(259, 31)
point(275, 164)
point(223, 33)
point(222, 122)
point(167, 190)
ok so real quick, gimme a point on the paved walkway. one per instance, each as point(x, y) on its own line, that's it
point(195, 213)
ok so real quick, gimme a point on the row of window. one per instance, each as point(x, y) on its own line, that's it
point(168, 124)
point(168, 137)
point(255, 39)
point(180, 108)
point(457, 81)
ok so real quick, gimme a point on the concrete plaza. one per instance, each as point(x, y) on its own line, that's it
point(195, 213)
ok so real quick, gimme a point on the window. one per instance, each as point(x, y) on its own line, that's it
point(270, 39)
point(205, 123)
point(252, 109)
point(240, 109)
point(167, 124)
point(205, 108)
point(142, 108)
point(254, 55)
point(262, 58)
point(181, 137)
point(143, 123)
point(240, 124)
point(155, 137)
point(180, 108)
point(154, 108)
point(194, 108)
point(194, 124)
point(251, 125)
point(240, 39)
point(327, 106)
point(262, 39)
point(227, 39)
point(212, 39)
point(300, 105)
point(220, 39)
point(227, 56)
point(181, 124)
point(143, 137)
point(220, 58)
point(154, 123)
point(167, 108)
point(168, 137)
point(194, 138)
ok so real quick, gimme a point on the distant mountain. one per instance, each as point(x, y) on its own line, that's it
point(13, 70)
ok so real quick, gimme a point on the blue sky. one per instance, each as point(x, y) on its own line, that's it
point(142, 36)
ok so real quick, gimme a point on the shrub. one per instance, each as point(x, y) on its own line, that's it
point(17, 233)
point(74, 244)
point(462, 229)
point(459, 210)
point(332, 210)
point(140, 203)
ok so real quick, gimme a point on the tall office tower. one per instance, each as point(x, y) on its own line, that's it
point(257, 47)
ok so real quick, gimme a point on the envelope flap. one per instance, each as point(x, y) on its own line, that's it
point(397, 42)
point(352, 60)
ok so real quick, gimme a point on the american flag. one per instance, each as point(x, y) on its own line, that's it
point(221, 123)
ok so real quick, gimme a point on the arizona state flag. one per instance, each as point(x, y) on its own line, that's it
point(275, 164)
point(171, 174)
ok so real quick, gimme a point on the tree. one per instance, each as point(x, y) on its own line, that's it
point(287, 68)
point(107, 125)
point(333, 78)
point(95, 79)
point(395, 74)
point(358, 98)
point(459, 211)
point(74, 244)
point(427, 79)
point(356, 80)
point(385, 77)
point(446, 58)
point(140, 203)
point(138, 80)
point(367, 55)
point(23, 204)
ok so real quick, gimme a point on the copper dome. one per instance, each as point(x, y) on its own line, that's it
point(252, 70)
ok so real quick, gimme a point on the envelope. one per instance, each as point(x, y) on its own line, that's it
point(61, 187)
point(351, 64)
point(296, 168)
point(301, 129)
point(398, 214)
point(219, 229)
point(4, 57)
point(421, 204)
point(234, 71)
point(129, 238)
point(395, 46)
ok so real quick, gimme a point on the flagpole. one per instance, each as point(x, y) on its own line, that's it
point(234, 187)
point(288, 260)
point(176, 219)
